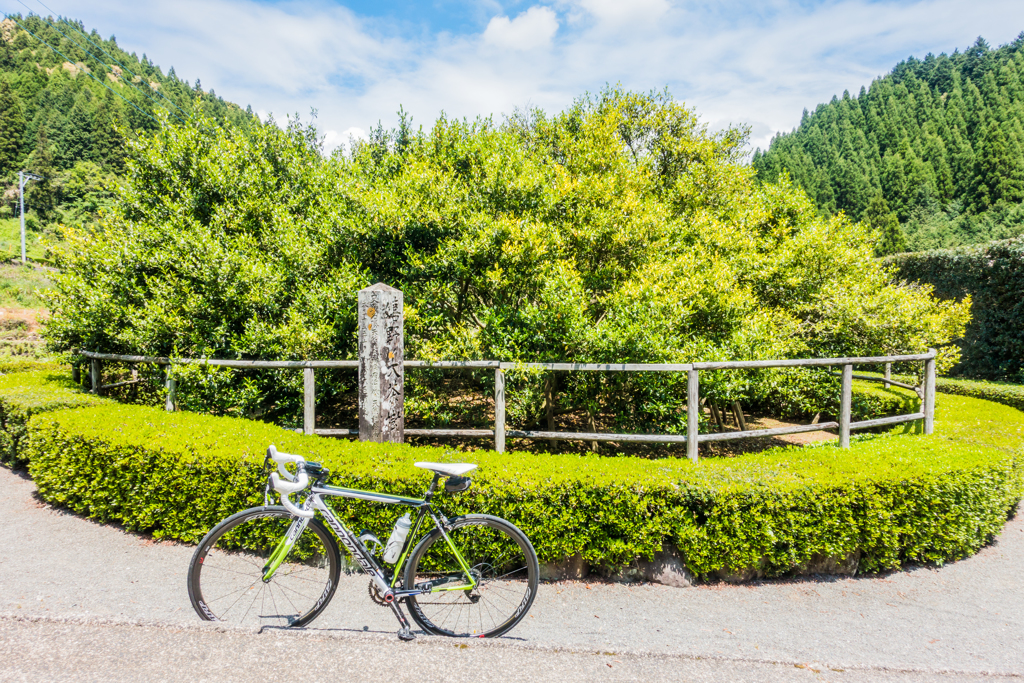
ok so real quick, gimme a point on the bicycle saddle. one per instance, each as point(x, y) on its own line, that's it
point(447, 469)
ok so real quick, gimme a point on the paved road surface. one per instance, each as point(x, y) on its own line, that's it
point(91, 602)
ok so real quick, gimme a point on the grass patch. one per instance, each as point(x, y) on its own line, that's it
point(20, 286)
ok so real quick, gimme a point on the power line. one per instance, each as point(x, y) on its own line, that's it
point(112, 57)
point(89, 73)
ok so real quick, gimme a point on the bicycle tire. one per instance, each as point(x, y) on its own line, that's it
point(503, 561)
point(225, 576)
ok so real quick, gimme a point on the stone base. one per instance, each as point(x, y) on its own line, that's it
point(825, 564)
point(738, 575)
point(574, 567)
point(667, 568)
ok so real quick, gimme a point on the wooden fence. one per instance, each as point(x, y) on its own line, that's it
point(499, 433)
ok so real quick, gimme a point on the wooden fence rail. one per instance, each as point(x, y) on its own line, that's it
point(499, 433)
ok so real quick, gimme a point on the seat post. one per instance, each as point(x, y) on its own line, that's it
point(433, 487)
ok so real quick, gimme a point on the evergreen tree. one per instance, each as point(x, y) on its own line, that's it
point(77, 139)
point(998, 170)
point(12, 127)
point(40, 196)
point(886, 226)
point(108, 141)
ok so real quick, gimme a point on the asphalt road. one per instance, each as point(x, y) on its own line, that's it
point(84, 601)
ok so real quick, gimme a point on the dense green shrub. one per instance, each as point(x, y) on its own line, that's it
point(618, 230)
point(871, 400)
point(25, 394)
point(894, 498)
point(992, 276)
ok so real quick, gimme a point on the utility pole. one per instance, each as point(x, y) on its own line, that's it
point(22, 177)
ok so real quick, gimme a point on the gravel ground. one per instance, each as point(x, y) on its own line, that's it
point(117, 606)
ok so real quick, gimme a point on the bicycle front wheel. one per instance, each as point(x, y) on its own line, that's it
point(226, 575)
point(502, 563)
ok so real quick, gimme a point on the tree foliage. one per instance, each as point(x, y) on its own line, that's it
point(84, 108)
point(940, 139)
point(619, 230)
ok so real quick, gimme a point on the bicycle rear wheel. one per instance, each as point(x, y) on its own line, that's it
point(502, 561)
point(225, 577)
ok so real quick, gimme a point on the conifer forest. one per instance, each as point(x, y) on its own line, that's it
point(68, 99)
point(930, 155)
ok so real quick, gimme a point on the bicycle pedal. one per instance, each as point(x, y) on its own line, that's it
point(405, 634)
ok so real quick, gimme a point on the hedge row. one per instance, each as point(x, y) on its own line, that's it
point(893, 498)
point(24, 394)
point(993, 274)
point(1007, 393)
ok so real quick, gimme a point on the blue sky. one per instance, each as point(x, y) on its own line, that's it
point(758, 64)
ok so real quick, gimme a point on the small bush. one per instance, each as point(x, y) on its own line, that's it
point(871, 400)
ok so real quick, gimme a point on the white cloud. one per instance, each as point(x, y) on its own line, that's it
point(760, 64)
point(622, 13)
point(532, 29)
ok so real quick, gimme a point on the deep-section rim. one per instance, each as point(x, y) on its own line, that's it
point(333, 553)
point(533, 573)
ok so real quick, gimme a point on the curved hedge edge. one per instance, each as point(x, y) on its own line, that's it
point(1006, 393)
point(892, 499)
point(998, 392)
point(25, 394)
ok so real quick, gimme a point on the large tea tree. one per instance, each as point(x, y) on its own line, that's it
point(620, 230)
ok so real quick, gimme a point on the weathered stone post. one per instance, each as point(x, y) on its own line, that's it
point(381, 373)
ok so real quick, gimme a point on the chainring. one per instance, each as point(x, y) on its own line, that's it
point(375, 595)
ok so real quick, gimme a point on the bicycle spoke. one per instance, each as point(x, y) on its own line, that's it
point(230, 575)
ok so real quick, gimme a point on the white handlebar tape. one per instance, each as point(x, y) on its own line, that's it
point(282, 458)
point(286, 489)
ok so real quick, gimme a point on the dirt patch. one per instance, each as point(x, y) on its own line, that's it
point(31, 318)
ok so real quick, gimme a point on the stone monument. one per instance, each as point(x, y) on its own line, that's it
point(381, 372)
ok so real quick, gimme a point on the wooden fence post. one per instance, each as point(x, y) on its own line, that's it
point(692, 414)
point(76, 374)
point(888, 375)
point(844, 407)
point(95, 368)
point(929, 393)
point(308, 401)
point(171, 404)
point(499, 410)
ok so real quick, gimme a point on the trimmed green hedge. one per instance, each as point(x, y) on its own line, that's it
point(999, 392)
point(993, 274)
point(27, 393)
point(871, 400)
point(1007, 393)
point(893, 498)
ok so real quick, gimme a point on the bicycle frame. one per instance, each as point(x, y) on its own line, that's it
point(391, 596)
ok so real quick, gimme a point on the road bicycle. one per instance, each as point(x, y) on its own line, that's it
point(469, 576)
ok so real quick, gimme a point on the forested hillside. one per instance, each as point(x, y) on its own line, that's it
point(937, 145)
point(68, 100)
